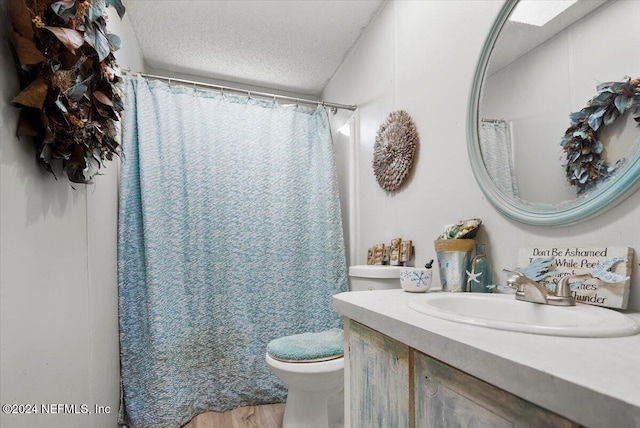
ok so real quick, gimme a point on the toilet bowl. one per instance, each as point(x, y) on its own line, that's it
point(315, 383)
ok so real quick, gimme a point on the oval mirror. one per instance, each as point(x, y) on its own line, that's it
point(537, 67)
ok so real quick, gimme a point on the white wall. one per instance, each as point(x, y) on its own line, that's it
point(420, 56)
point(58, 284)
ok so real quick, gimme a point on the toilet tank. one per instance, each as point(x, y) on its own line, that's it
point(374, 277)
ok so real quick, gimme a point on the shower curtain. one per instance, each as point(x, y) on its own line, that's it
point(497, 154)
point(230, 236)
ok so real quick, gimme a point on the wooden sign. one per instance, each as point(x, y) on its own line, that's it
point(577, 261)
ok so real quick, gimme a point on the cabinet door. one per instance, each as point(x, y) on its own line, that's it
point(447, 397)
point(379, 379)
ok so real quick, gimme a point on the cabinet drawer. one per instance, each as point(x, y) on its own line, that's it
point(447, 397)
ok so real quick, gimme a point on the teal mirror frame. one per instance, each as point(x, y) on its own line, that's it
point(603, 197)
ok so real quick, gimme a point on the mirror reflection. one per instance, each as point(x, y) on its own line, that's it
point(545, 65)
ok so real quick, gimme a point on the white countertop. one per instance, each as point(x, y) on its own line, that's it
point(595, 382)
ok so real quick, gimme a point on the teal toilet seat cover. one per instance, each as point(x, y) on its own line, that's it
point(308, 347)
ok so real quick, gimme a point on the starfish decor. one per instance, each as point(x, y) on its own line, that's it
point(472, 276)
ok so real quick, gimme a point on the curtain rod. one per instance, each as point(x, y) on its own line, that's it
point(332, 106)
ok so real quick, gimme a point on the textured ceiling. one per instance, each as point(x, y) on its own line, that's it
point(289, 45)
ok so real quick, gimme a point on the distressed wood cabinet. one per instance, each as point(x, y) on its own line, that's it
point(447, 397)
point(393, 385)
point(379, 379)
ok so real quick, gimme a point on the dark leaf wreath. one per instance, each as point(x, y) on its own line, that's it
point(70, 99)
point(585, 164)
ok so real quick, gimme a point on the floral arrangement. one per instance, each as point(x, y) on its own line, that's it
point(70, 98)
point(586, 165)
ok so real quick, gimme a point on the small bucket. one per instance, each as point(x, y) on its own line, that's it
point(454, 259)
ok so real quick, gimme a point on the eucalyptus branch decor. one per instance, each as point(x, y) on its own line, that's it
point(586, 165)
point(393, 151)
point(70, 99)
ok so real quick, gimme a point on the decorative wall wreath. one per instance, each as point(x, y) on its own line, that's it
point(70, 100)
point(393, 151)
point(586, 165)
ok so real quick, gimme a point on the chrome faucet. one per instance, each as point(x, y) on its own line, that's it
point(531, 291)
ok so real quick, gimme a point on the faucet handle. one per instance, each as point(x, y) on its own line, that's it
point(513, 280)
point(564, 289)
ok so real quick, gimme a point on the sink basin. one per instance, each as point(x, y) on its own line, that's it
point(503, 312)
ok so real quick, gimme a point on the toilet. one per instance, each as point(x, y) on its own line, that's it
point(311, 365)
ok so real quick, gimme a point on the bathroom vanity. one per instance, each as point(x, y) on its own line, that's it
point(409, 369)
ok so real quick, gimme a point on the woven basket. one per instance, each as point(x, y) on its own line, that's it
point(454, 244)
